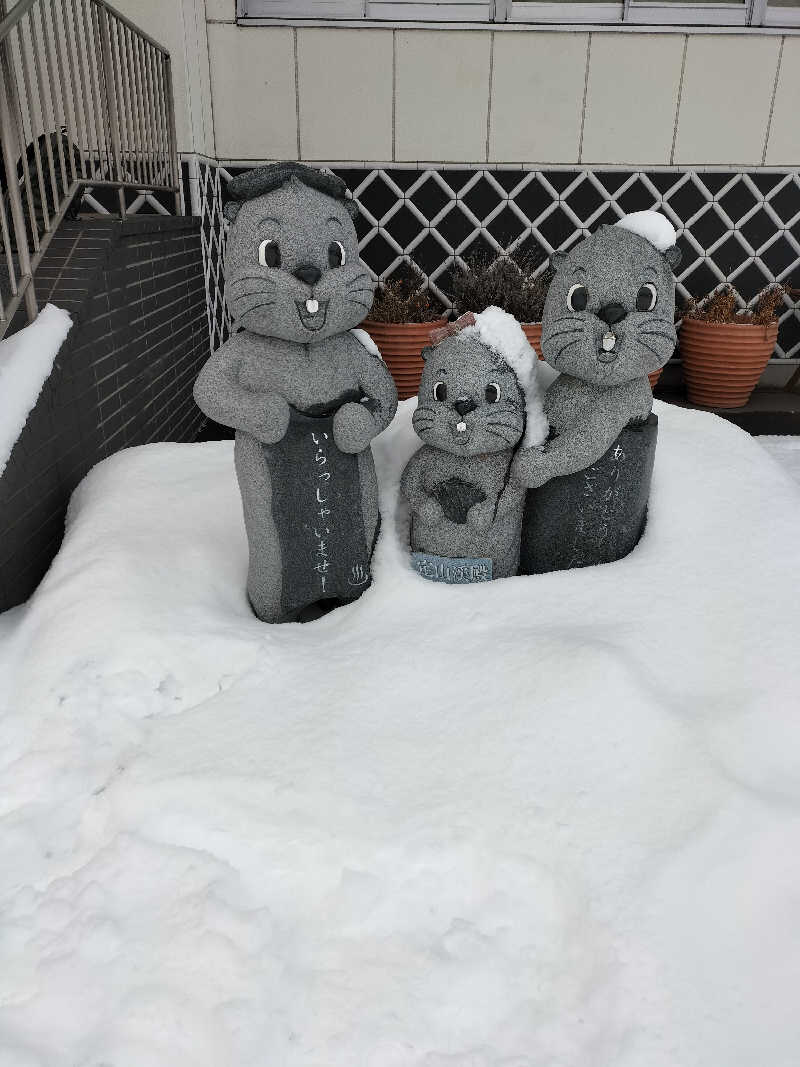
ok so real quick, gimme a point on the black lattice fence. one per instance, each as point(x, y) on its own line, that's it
point(741, 227)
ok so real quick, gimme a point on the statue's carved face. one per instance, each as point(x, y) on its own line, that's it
point(292, 268)
point(470, 402)
point(609, 313)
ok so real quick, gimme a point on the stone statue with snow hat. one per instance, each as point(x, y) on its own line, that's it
point(479, 400)
point(304, 390)
point(608, 322)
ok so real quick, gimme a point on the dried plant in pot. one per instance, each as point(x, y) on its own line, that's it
point(725, 347)
point(508, 282)
point(402, 316)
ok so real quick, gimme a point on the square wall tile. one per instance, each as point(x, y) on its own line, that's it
point(441, 95)
point(783, 148)
point(537, 97)
point(631, 97)
point(727, 90)
point(253, 91)
point(221, 10)
point(345, 79)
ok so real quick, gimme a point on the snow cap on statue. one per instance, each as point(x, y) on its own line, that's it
point(501, 332)
point(653, 226)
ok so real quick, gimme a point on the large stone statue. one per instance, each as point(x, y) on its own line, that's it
point(304, 390)
point(479, 400)
point(608, 322)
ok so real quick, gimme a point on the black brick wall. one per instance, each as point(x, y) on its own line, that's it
point(123, 377)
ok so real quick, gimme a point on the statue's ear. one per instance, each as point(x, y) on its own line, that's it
point(352, 208)
point(426, 351)
point(231, 210)
point(557, 260)
point(673, 256)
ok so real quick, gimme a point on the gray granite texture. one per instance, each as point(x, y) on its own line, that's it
point(595, 515)
point(608, 321)
point(471, 416)
point(304, 394)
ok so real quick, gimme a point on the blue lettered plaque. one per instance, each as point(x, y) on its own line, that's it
point(451, 571)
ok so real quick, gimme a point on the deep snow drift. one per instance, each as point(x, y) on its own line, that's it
point(543, 822)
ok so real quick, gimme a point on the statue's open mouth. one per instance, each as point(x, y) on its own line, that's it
point(313, 313)
point(608, 351)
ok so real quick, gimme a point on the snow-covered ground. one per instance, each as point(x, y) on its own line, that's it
point(541, 822)
point(786, 450)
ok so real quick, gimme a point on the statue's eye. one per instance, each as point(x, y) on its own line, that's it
point(440, 391)
point(337, 257)
point(492, 393)
point(269, 254)
point(646, 297)
point(577, 297)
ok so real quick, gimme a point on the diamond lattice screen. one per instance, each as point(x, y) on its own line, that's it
point(733, 226)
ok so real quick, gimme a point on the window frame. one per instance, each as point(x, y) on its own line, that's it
point(519, 14)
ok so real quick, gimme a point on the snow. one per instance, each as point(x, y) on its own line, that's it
point(26, 362)
point(653, 226)
point(542, 822)
point(786, 450)
point(503, 334)
point(367, 342)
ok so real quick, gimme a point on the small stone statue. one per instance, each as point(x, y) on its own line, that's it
point(304, 390)
point(608, 322)
point(478, 399)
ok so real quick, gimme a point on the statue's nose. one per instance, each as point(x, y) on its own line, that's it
point(612, 313)
point(308, 273)
point(464, 405)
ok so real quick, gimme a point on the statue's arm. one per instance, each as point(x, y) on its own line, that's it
point(220, 395)
point(412, 487)
point(354, 425)
point(575, 449)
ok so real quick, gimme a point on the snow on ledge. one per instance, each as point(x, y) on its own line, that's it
point(26, 362)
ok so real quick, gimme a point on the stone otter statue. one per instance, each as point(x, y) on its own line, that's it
point(608, 322)
point(305, 392)
point(478, 399)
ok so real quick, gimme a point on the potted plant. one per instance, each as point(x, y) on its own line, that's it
point(400, 321)
point(509, 283)
point(725, 347)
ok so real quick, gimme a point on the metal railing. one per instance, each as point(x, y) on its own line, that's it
point(85, 101)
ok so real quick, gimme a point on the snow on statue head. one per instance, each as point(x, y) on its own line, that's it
point(609, 313)
point(608, 322)
point(291, 259)
point(479, 399)
point(305, 391)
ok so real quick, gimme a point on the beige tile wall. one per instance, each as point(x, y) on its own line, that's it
point(180, 25)
point(631, 97)
point(472, 96)
point(784, 138)
point(537, 96)
point(728, 84)
point(342, 116)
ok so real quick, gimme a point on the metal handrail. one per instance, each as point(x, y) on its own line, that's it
point(86, 100)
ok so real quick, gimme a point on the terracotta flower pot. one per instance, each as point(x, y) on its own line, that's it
point(722, 362)
point(654, 377)
point(533, 331)
point(401, 345)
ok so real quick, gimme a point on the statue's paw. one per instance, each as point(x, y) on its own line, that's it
point(431, 512)
point(480, 516)
point(353, 428)
point(274, 421)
